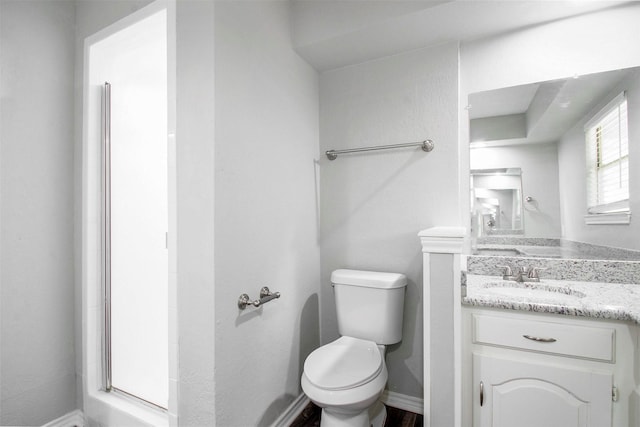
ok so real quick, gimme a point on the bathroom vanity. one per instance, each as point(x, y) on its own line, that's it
point(553, 353)
point(564, 350)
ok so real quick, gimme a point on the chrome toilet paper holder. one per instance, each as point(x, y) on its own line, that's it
point(265, 296)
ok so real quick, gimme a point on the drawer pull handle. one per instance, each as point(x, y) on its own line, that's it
point(481, 393)
point(539, 339)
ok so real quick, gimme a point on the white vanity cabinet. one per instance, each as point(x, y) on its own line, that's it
point(525, 369)
point(528, 394)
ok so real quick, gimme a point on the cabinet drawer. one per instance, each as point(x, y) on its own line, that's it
point(549, 337)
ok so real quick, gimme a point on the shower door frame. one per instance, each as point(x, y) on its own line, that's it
point(99, 404)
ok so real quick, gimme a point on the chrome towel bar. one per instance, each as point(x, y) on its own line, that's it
point(426, 145)
point(265, 296)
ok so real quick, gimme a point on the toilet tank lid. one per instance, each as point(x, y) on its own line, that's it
point(370, 279)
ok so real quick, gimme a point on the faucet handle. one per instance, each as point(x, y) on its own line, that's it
point(533, 272)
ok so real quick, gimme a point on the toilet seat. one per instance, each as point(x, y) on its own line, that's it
point(345, 363)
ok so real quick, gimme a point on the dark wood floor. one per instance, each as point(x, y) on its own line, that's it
point(310, 417)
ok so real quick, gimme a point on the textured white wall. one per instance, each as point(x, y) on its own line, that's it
point(539, 166)
point(37, 377)
point(559, 49)
point(266, 220)
point(196, 285)
point(374, 204)
point(571, 154)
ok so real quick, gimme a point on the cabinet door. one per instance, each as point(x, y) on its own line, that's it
point(511, 393)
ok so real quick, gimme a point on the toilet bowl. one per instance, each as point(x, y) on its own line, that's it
point(347, 376)
point(346, 379)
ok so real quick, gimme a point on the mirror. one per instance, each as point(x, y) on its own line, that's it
point(537, 130)
point(496, 201)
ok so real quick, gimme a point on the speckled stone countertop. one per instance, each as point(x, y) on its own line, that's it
point(573, 298)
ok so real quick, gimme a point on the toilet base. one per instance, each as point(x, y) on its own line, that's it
point(375, 416)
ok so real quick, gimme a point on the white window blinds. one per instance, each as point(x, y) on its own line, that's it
point(608, 159)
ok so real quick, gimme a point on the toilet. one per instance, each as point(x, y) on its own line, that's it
point(347, 376)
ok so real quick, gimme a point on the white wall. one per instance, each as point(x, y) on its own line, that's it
point(374, 204)
point(571, 155)
point(37, 377)
point(196, 284)
point(556, 50)
point(266, 220)
point(559, 49)
point(539, 164)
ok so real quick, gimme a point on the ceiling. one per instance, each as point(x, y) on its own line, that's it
point(335, 33)
point(539, 112)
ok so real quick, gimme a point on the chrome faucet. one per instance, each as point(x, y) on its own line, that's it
point(530, 274)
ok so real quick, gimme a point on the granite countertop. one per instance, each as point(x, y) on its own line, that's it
point(568, 297)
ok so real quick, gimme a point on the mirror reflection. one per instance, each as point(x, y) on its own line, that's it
point(497, 201)
point(539, 130)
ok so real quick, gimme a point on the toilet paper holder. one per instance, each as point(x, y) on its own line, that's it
point(265, 296)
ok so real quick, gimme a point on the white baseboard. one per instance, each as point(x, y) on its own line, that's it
point(404, 402)
point(72, 419)
point(396, 400)
point(292, 411)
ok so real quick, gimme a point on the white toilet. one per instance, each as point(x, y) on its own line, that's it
point(346, 377)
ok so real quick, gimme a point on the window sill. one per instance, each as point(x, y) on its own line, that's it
point(614, 218)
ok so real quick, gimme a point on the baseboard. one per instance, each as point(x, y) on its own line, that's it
point(72, 419)
point(292, 411)
point(397, 400)
point(404, 402)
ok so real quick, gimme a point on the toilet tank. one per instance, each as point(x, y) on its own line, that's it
point(370, 304)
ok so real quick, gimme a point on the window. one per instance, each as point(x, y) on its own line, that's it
point(607, 143)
